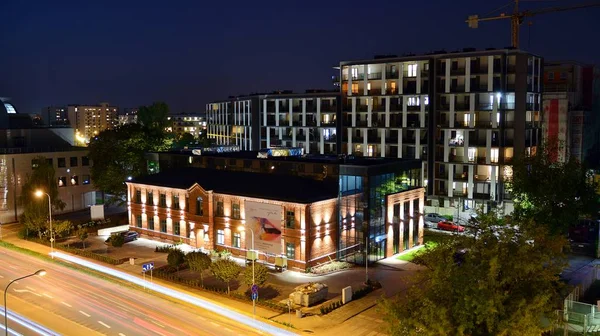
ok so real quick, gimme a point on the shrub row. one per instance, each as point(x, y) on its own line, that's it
point(331, 307)
point(164, 248)
point(94, 223)
point(359, 293)
point(330, 267)
point(82, 253)
point(162, 273)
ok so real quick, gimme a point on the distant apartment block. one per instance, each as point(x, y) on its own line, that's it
point(465, 114)
point(89, 120)
point(193, 123)
point(128, 116)
point(55, 115)
point(570, 101)
point(279, 119)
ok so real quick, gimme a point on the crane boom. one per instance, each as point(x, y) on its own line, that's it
point(517, 17)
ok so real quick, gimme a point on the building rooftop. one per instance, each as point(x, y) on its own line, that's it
point(267, 186)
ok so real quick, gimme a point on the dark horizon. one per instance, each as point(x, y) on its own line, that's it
point(133, 54)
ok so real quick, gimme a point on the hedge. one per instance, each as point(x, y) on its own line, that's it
point(82, 253)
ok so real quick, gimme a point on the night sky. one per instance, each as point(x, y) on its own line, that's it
point(132, 53)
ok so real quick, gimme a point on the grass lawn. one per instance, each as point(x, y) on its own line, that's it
point(430, 240)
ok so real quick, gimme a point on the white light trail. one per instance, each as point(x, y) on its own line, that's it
point(14, 317)
point(202, 303)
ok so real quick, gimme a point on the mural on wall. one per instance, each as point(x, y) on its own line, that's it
point(265, 220)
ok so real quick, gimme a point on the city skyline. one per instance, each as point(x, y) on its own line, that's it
point(193, 54)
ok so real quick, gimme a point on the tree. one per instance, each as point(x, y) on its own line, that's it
point(155, 116)
point(176, 258)
point(261, 273)
point(552, 193)
point(119, 153)
point(199, 262)
point(82, 234)
point(501, 280)
point(184, 139)
point(225, 270)
point(35, 212)
point(61, 227)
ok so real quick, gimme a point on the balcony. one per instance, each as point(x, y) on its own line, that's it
point(458, 88)
point(362, 108)
point(395, 107)
point(374, 75)
point(424, 73)
point(457, 72)
point(481, 178)
point(327, 108)
point(332, 138)
point(456, 142)
point(361, 123)
point(354, 78)
point(484, 196)
point(391, 74)
point(483, 124)
point(391, 91)
point(460, 177)
point(478, 69)
point(413, 108)
point(456, 158)
point(479, 87)
point(330, 123)
point(374, 92)
point(297, 108)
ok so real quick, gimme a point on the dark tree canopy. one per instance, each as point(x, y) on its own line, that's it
point(155, 116)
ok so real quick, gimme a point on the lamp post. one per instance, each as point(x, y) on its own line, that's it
point(38, 273)
point(253, 258)
point(40, 193)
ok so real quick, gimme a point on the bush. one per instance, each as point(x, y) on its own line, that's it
point(331, 267)
point(117, 240)
point(164, 248)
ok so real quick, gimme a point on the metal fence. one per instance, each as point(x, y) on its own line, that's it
point(578, 318)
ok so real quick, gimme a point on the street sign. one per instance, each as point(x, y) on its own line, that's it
point(254, 296)
point(147, 267)
point(254, 288)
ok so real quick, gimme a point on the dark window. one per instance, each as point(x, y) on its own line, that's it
point(232, 162)
point(220, 237)
point(235, 211)
point(62, 181)
point(176, 228)
point(73, 161)
point(138, 221)
point(550, 75)
point(187, 203)
point(35, 163)
point(149, 198)
point(138, 196)
point(563, 75)
point(175, 202)
point(162, 201)
point(290, 219)
point(85, 161)
point(199, 210)
point(290, 250)
point(50, 162)
point(237, 239)
point(151, 223)
point(247, 163)
point(163, 225)
point(86, 180)
point(19, 141)
point(220, 208)
point(62, 162)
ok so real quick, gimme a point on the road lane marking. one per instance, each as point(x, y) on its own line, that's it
point(26, 291)
point(202, 318)
point(85, 314)
point(48, 296)
point(104, 324)
point(228, 329)
point(121, 334)
point(66, 304)
point(1, 276)
point(13, 266)
point(158, 324)
point(31, 289)
point(215, 324)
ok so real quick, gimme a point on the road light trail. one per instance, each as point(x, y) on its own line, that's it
point(202, 303)
point(14, 317)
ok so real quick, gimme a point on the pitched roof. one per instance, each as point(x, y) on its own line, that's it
point(268, 186)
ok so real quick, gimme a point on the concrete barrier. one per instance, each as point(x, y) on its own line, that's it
point(114, 229)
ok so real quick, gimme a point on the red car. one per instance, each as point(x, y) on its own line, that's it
point(449, 226)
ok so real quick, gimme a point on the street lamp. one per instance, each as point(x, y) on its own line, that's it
point(38, 273)
point(241, 228)
point(39, 194)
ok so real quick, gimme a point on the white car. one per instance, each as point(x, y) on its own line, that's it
point(432, 219)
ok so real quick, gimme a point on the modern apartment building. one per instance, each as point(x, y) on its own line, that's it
point(193, 123)
point(570, 101)
point(89, 120)
point(128, 116)
point(280, 119)
point(464, 114)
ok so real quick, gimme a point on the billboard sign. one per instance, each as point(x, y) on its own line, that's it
point(265, 220)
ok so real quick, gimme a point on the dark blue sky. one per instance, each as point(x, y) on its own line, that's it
point(131, 53)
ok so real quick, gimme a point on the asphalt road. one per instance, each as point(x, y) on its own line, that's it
point(103, 306)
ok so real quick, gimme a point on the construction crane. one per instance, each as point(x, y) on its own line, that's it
point(517, 17)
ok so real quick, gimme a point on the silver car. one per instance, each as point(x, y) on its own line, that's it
point(432, 219)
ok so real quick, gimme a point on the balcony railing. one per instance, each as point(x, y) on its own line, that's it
point(374, 75)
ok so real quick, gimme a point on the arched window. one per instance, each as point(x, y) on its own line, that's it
point(199, 211)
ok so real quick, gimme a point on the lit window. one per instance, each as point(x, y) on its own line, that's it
point(354, 73)
point(290, 219)
point(412, 70)
point(220, 237)
point(494, 154)
point(62, 181)
point(369, 86)
point(393, 86)
point(290, 251)
point(235, 211)
point(176, 228)
point(10, 109)
point(354, 87)
point(413, 101)
point(472, 154)
point(426, 100)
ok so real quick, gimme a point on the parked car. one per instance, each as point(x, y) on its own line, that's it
point(431, 219)
point(450, 226)
point(128, 236)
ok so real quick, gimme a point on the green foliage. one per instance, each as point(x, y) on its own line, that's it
point(164, 248)
point(199, 262)
point(117, 240)
point(35, 209)
point(120, 153)
point(553, 194)
point(84, 253)
point(82, 234)
point(330, 267)
point(261, 274)
point(225, 270)
point(500, 280)
point(155, 116)
point(61, 228)
point(176, 258)
point(183, 140)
